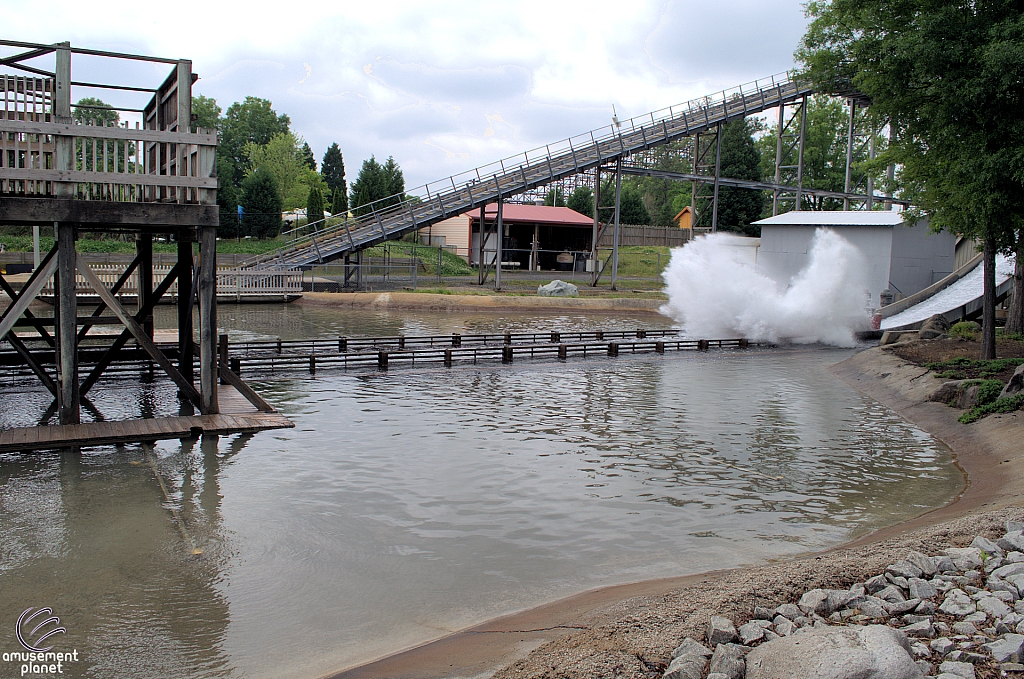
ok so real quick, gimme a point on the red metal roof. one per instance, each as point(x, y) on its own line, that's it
point(536, 214)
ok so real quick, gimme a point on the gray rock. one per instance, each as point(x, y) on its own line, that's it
point(920, 630)
point(934, 327)
point(1012, 542)
point(1011, 667)
point(926, 607)
point(966, 628)
point(1015, 385)
point(921, 589)
point(718, 675)
point(875, 584)
point(901, 607)
point(720, 630)
point(892, 594)
point(993, 606)
point(784, 626)
point(897, 580)
point(823, 601)
point(919, 650)
point(965, 558)
point(762, 613)
point(977, 617)
point(1014, 526)
point(872, 652)
point(873, 608)
point(791, 611)
point(728, 659)
point(942, 645)
point(904, 569)
point(557, 288)
point(750, 633)
point(691, 647)
point(925, 563)
point(957, 603)
point(689, 666)
point(987, 546)
point(964, 670)
point(994, 584)
point(1007, 649)
point(943, 564)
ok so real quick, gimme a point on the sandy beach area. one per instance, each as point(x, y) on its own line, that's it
point(626, 630)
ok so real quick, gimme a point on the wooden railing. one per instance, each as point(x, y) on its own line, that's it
point(230, 282)
point(41, 155)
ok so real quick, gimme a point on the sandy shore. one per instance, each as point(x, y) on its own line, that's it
point(427, 301)
point(625, 630)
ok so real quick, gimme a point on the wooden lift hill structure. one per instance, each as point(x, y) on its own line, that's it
point(156, 179)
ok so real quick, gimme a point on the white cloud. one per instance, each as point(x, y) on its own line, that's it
point(441, 86)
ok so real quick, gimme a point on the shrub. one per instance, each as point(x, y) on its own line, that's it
point(1007, 404)
point(965, 329)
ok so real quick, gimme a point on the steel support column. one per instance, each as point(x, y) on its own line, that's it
point(208, 369)
point(597, 227)
point(800, 154)
point(615, 232)
point(849, 153)
point(778, 158)
point(718, 176)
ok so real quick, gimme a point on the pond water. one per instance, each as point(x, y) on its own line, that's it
point(408, 504)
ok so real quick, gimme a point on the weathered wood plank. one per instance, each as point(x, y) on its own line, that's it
point(150, 216)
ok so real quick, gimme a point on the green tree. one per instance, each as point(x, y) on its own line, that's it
point(582, 201)
point(314, 205)
point(252, 121)
point(206, 112)
point(947, 76)
point(261, 203)
point(339, 202)
point(631, 203)
point(554, 198)
point(282, 157)
point(93, 111)
point(333, 170)
point(306, 154)
point(738, 207)
point(382, 185)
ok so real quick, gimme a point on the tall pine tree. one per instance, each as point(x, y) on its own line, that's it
point(333, 171)
point(741, 159)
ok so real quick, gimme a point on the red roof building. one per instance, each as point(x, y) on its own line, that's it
point(537, 237)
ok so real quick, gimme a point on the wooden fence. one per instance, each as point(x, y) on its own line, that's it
point(239, 283)
point(665, 236)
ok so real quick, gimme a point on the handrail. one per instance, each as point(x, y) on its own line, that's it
point(392, 216)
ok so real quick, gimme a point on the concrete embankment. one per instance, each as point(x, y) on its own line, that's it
point(632, 630)
point(441, 302)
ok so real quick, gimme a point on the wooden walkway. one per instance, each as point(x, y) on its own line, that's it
point(237, 416)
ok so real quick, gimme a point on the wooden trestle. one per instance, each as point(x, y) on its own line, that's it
point(155, 181)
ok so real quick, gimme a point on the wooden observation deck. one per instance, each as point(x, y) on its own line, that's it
point(156, 178)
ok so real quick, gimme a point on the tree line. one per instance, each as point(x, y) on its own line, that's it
point(265, 168)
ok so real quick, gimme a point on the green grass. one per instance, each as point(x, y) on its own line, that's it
point(249, 246)
point(1014, 336)
point(966, 329)
point(1007, 404)
point(955, 369)
point(451, 264)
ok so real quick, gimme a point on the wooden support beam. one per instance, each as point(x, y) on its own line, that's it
point(144, 255)
point(111, 353)
point(66, 298)
point(28, 293)
point(185, 297)
point(151, 217)
point(140, 335)
point(244, 389)
point(30, 360)
point(13, 294)
point(114, 290)
point(208, 320)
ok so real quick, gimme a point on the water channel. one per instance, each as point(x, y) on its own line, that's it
point(408, 504)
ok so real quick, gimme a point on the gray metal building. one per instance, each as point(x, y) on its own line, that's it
point(901, 259)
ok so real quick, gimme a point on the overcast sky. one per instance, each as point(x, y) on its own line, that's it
point(442, 86)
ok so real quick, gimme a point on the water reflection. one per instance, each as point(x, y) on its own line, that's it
point(91, 536)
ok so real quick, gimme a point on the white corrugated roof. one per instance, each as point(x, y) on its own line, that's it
point(834, 218)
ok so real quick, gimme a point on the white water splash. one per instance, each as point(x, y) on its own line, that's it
point(714, 293)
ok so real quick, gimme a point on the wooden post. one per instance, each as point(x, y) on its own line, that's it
point(67, 317)
point(499, 255)
point(208, 320)
point(185, 274)
point(534, 255)
point(222, 354)
point(481, 273)
point(144, 250)
point(64, 146)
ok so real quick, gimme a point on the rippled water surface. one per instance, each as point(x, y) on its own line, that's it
point(411, 503)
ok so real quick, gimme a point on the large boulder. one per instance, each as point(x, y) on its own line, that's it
point(935, 327)
point(871, 652)
point(558, 288)
point(1016, 383)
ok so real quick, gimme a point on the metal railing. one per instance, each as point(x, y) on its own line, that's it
point(390, 218)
